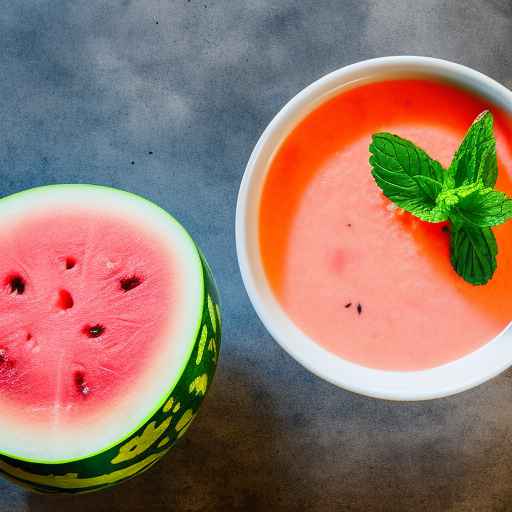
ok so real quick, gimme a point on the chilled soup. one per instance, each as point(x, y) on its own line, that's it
point(364, 280)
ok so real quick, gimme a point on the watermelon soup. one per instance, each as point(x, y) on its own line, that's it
point(109, 335)
point(366, 281)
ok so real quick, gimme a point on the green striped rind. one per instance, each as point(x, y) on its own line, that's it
point(151, 441)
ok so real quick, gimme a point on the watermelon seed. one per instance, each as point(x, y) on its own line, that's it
point(6, 364)
point(65, 300)
point(81, 384)
point(129, 283)
point(70, 262)
point(31, 345)
point(94, 331)
point(17, 284)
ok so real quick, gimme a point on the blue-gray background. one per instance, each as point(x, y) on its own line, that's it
point(89, 86)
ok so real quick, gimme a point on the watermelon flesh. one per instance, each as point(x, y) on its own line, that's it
point(94, 308)
point(84, 304)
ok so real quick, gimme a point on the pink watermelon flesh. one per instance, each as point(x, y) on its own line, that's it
point(85, 305)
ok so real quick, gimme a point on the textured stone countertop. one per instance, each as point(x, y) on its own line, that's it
point(88, 87)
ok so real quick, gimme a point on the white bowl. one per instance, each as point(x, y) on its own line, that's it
point(459, 375)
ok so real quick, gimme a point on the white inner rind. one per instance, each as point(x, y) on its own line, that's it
point(57, 443)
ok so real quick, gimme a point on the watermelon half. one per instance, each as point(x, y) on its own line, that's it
point(109, 336)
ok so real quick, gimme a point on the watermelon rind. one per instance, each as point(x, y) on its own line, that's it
point(160, 430)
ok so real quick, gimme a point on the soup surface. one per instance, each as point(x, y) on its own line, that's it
point(368, 283)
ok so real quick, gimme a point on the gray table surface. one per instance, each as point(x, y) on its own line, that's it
point(88, 87)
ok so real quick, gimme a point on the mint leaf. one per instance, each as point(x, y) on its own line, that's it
point(473, 253)
point(430, 187)
point(484, 207)
point(476, 157)
point(488, 170)
point(464, 194)
point(407, 176)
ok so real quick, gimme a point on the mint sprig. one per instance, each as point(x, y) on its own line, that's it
point(463, 194)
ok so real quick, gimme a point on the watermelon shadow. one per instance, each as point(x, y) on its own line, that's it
point(232, 458)
point(276, 438)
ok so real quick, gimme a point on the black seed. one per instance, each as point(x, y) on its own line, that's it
point(79, 378)
point(133, 162)
point(94, 331)
point(129, 283)
point(80, 383)
point(348, 304)
point(70, 262)
point(150, 152)
point(349, 225)
point(445, 229)
point(17, 284)
point(359, 309)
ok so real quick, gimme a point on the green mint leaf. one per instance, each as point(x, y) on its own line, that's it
point(430, 186)
point(464, 194)
point(476, 157)
point(473, 253)
point(488, 171)
point(483, 207)
point(407, 176)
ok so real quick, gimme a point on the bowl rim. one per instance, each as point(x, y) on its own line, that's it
point(454, 377)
